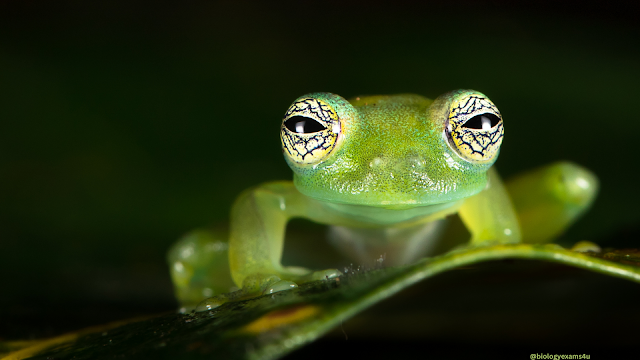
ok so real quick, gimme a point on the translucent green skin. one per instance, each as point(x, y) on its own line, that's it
point(392, 173)
point(395, 152)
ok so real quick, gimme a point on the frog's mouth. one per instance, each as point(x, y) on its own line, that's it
point(400, 206)
point(400, 194)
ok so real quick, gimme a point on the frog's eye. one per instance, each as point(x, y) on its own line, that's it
point(310, 130)
point(303, 125)
point(475, 128)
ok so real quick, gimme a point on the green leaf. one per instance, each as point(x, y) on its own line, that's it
point(271, 326)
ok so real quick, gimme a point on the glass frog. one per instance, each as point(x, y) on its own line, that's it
point(380, 171)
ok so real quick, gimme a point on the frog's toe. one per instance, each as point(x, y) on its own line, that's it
point(303, 275)
point(257, 284)
point(324, 275)
point(586, 246)
point(280, 286)
point(212, 303)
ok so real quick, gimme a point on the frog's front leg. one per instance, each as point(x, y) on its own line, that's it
point(489, 215)
point(258, 220)
point(550, 198)
point(533, 207)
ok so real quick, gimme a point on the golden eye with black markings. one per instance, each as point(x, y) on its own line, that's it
point(475, 127)
point(310, 131)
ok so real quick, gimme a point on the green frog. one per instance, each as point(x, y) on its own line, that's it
point(380, 171)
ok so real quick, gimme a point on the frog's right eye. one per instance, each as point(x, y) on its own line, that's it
point(309, 131)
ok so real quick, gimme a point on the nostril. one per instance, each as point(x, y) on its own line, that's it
point(417, 162)
point(376, 162)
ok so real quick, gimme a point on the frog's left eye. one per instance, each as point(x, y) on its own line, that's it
point(303, 125)
point(475, 127)
point(310, 130)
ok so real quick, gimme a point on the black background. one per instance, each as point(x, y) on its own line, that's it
point(125, 124)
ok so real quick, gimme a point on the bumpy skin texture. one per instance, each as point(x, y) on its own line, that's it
point(379, 170)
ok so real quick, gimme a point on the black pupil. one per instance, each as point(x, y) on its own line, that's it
point(482, 122)
point(303, 125)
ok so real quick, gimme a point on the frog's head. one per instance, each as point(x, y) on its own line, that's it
point(391, 151)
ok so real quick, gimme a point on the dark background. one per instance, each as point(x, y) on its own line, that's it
point(126, 124)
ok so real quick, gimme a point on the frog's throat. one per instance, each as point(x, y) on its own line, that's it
point(376, 216)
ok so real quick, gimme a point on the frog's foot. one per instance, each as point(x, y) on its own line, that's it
point(213, 302)
point(286, 279)
point(321, 275)
point(252, 286)
point(302, 275)
point(586, 246)
point(257, 285)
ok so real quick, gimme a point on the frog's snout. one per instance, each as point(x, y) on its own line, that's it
point(381, 163)
point(399, 170)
